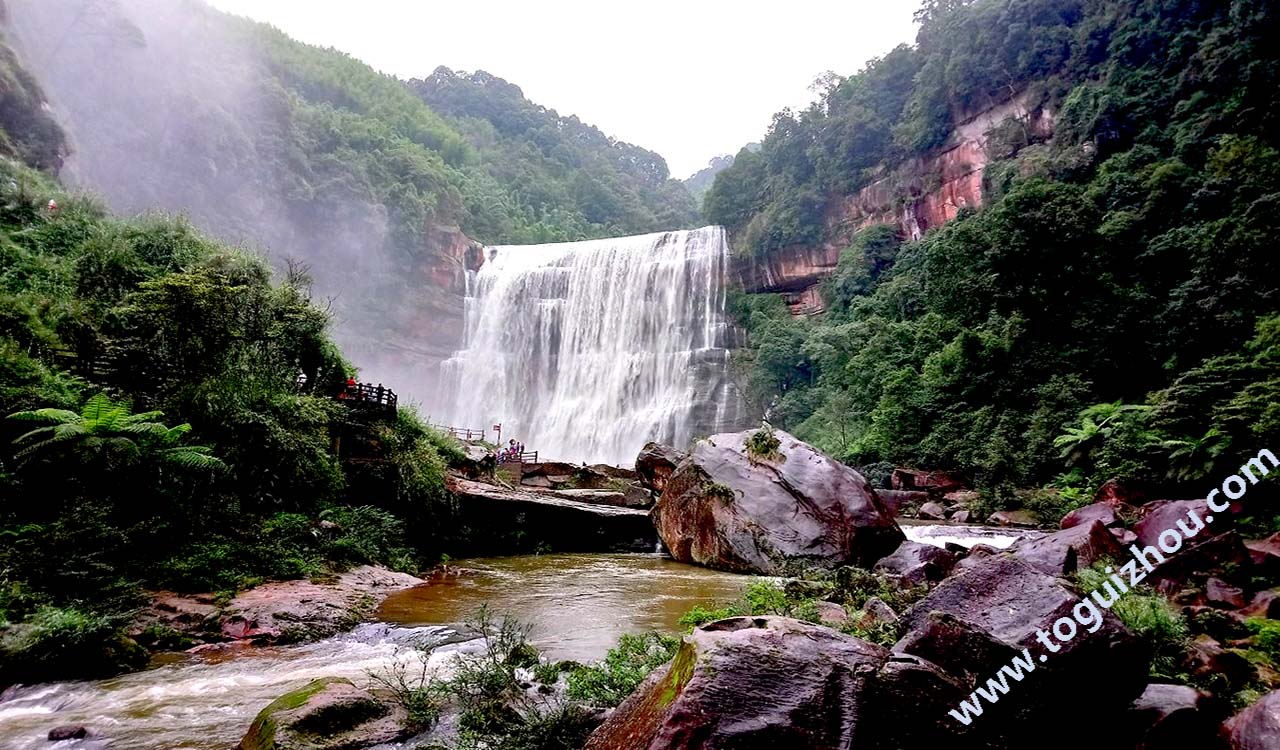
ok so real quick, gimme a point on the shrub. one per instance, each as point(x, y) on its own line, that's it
point(700, 615)
point(854, 586)
point(63, 643)
point(1266, 636)
point(609, 683)
point(410, 683)
point(719, 491)
point(367, 535)
point(763, 445)
point(1150, 617)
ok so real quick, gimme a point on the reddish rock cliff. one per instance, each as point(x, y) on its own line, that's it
point(916, 195)
point(432, 308)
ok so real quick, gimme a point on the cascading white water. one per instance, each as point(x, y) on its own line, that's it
point(586, 350)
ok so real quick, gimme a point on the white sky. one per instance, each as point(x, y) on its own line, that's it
point(690, 80)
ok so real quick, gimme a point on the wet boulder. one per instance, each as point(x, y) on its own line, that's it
point(1222, 594)
point(974, 622)
point(915, 563)
point(655, 463)
point(68, 732)
point(1168, 716)
point(327, 714)
point(939, 482)
point(1257, 727)
point(931, 511)
point(1162, 515)
point(1101, 512)
point(1265, 554)
point(766, 682)
point(895, 501)
point(726, 508)
point(477, 461)
point(1013, 518)
point(1064, 552)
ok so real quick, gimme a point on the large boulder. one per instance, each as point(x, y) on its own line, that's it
point(1162, 515)
point(477, 461)
point(305, 610)
point(1063, 552)
point(520, 518)
point(1023, 518)
point(726, 509)
point(1169, 716)
point(655, 463)
point(1265, 554)
point(931, 511)
point(895, 500)
point(939, 482)
point(974, 622)
point(770, 682)
point(915, 563)
point(1257, 727)
point(327, 714)
point(1104, 512)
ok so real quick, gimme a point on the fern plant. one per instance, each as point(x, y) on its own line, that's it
point(109, 430)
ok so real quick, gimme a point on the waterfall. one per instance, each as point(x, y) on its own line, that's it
point(586, 350)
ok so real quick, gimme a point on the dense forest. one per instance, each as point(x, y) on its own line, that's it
point(310, 155)
point(1109, 312)
point(541, 177)
point(173, 408)
point(701, 181)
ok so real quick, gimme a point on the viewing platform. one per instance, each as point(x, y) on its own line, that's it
point(367, 398)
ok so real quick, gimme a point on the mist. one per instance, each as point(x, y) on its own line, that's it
point(170, 105)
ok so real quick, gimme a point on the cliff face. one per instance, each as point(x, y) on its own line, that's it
point(427, 317)
point(916, 196)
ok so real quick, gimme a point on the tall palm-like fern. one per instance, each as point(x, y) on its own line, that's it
point(110, 430)
point(1097, 423)
point(1194, 458)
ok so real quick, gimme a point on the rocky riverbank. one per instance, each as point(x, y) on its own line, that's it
point(274, 613)
point(875, 639)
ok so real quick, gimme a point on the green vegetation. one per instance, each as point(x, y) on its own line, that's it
point(1147, 615)
point(487, 690)
point(849, 587)
point(28, 131)
point(763, 445)
point(541, 177)
point(1110, 311)
point(610, 682)
point(66, 643)
point(170, 422)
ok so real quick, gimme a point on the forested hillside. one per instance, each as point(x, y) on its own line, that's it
point(156, 431)
point(701, 181)
point(309, 154)
point(1110, 311)
point(541, 177)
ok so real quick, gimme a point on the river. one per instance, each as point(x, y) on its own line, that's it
point(578, 605)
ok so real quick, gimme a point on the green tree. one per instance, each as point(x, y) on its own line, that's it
point(109, 433)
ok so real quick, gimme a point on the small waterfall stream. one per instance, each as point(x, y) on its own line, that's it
point(586, 350)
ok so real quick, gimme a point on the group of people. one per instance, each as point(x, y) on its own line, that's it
point(512, 451)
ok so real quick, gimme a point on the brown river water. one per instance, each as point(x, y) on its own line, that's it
point(578, 605)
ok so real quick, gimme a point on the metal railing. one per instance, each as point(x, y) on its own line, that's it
point(460, 433)
point(368, 396)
